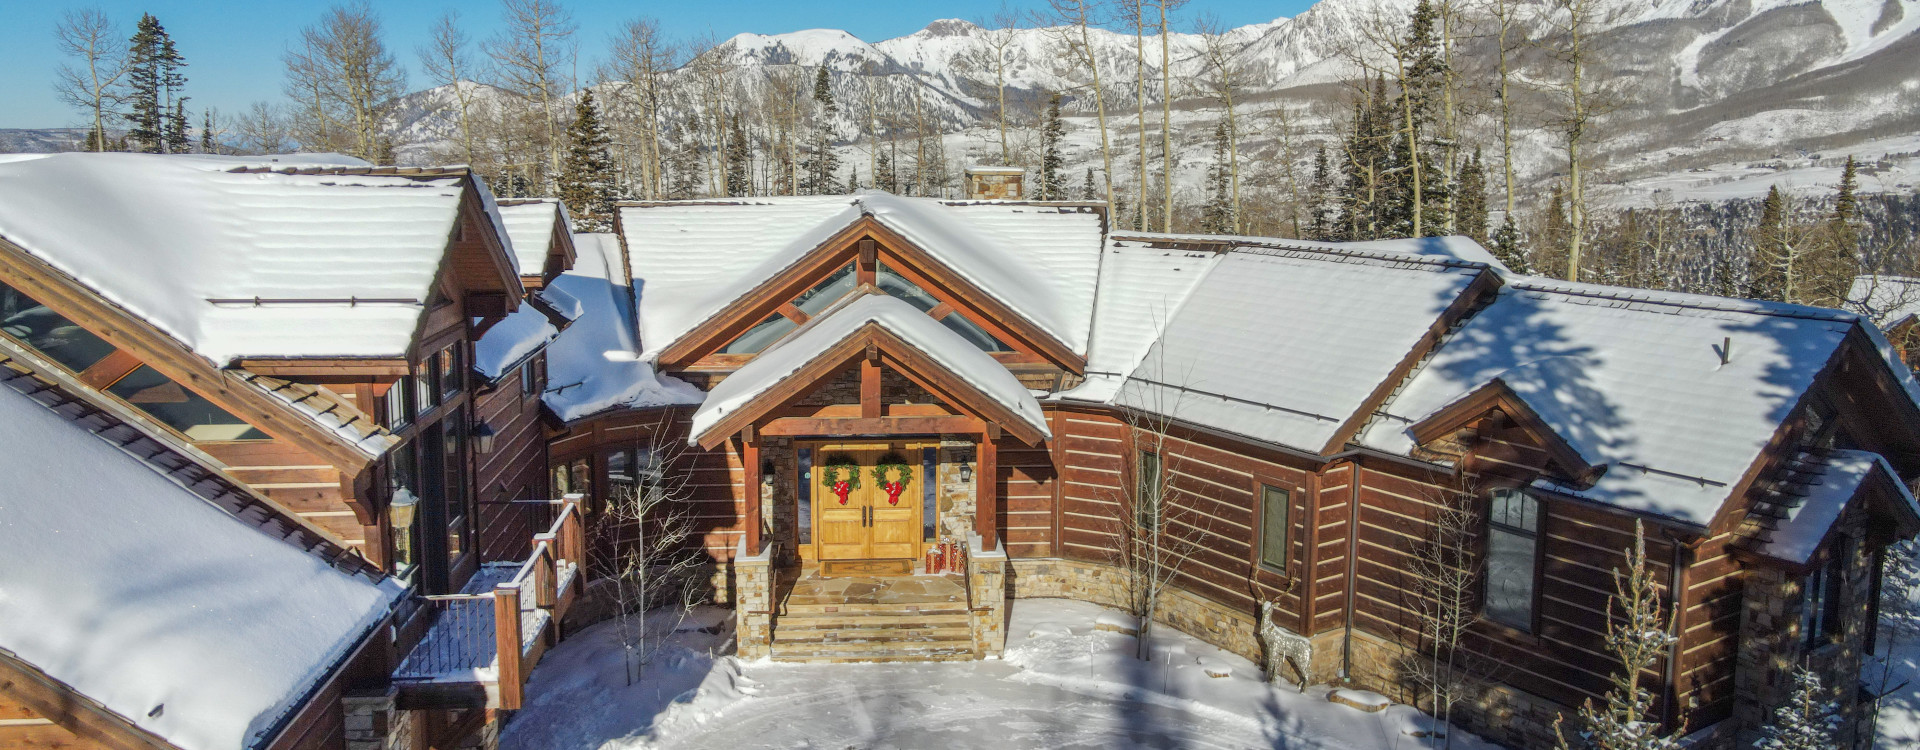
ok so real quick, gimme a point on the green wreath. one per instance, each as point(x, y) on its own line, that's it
point(840, 468)
point(890, 463)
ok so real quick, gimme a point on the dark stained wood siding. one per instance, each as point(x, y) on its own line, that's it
point(1026, 484)
point(515, 470)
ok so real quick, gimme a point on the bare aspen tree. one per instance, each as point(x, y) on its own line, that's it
point(1572, 30)
point(997, 36)
point(1444, 575)
point(639, 59)
point(99, 51)
point(1509, 37)
point(1076, 19)
point(647, 533)
point(870, 86)
point(531, 55)
point(1164, 8)
point(1221, 55)
point(447, 63)
point(262, 129)
point(346, 78)
point(1154, 540)
point(1135, 12)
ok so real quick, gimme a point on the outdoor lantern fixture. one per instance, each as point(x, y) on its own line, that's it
point(400, 511)
point(966, 472)
point(766, 475)
point(483, 437)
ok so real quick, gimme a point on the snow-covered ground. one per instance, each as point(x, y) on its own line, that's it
point(1899, 723)
point(1063, 684)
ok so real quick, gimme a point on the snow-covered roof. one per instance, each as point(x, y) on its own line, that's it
point(595, 364)
point(530, 224)
point(147, 598)
point(1141, 287)
point(1836, 480)
point(1285, 345)
point(692, 260)
point(170, 237)
point(840, 322)
point(523, 332)
point(1633, 380)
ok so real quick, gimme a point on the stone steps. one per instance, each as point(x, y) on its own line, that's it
point(874, 620)
point(894, 650)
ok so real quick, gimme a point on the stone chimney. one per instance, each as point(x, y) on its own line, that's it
point(996, 183)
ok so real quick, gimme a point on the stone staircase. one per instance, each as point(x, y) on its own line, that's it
point(906, 619)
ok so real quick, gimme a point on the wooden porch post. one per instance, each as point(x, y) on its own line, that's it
point(750, 456)
point(986, 506)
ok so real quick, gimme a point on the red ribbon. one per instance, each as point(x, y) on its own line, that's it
point(841, 488)
point(893, 492)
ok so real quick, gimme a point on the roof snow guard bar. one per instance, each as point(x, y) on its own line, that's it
point(348, 301)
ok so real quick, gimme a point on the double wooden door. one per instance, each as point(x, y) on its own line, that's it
point(871, 523)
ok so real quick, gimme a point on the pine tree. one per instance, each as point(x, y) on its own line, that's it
point(1052, 186)
point(177, 129)
point(154, 81)
point(683, 169)
point(1767, 272)
point(1638, 638)
point(1367, 190)
point(1841, 233)
point(1420, 206)
point(1216, 215)
point(1087, 189)
point(821, 163)
point(883, 176)
point(1470, 200)
point(207, 145)
point(1808, 721)
point(1319, 193)
point(1506, 246)
point(586, 180)
point(739, 154)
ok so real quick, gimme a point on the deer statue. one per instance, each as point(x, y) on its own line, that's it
point(1283, 646)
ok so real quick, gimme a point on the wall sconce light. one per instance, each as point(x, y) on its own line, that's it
point(483, 437)
point(766, 474)
point(400, 510)
point(966, 472)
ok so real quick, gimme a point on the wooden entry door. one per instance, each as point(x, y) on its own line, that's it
point(870, 525)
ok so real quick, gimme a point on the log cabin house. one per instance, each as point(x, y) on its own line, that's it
point(894, 415)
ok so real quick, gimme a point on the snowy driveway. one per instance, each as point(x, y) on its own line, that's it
point(1064, 684)
point(947, 706)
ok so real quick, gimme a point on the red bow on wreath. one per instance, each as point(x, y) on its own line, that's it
point(884, 473)
point(841, 475)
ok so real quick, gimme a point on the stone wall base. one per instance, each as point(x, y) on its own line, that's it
point(372, 722)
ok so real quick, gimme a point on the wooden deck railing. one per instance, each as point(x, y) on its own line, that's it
point(509, 626)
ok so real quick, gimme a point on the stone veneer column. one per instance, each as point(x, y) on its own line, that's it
point(987, 595)
point(753, 602)
point(372, 722)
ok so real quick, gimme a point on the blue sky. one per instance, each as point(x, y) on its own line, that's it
point(233, 48)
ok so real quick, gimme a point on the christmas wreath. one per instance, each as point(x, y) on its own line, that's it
point(890, 465)
point(840, 475)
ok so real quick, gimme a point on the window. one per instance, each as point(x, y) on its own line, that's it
point(451, 377)
point(403, 496)
point(812, 301)
point(761, 336)
point(1513, 550)
point(805, 492)
point(1146, 500)
point(1275, 504)
point(531, 374)
point(48, 333)
point(929, 501)
point(454, 436)
point(1820, 614)
point(894, 284)
point(425, 394)
point(174, 406)
point(399, 403)
point(973, 333)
